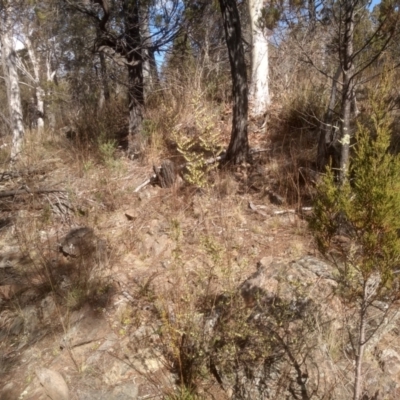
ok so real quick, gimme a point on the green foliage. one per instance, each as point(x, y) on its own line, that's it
point(366, 208)
point(149, 127)
point(195, 149)
point(182, 394)
point(213, 249)
point(75, 297)
point(196, 168)
point(107, 148)
point(270, 16)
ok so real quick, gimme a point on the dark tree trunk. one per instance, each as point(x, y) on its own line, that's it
point(135, 74)
point(239, 146)
point(348, 88)
point(312, 12)
point(105, 91)
point(328, 136)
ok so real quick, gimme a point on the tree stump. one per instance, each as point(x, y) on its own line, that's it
point(166, 174)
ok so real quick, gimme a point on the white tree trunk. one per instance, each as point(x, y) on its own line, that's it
point(38, 88)
point(13, 93)
point(258, 91)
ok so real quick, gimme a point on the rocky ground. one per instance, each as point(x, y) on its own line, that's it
point(219, 290)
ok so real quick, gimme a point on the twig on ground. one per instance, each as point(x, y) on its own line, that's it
point(145, 183)
point(292, 211)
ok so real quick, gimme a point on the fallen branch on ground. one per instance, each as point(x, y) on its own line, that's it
point(7, 175)
point(11, 193)
point(292, 211)
point(257, 209)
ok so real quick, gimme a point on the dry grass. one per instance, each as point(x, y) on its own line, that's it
point(186, 250)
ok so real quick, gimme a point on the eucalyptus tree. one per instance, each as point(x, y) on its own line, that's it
point(259, 85)
point(351, 43)
point(360, 47)
point(128, 31)
point(239, 145)
point(8, 25)
point(41, 34)
point(207, 36)
point(34, 19)
point(205, 32)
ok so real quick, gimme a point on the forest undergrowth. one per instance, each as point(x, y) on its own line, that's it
point(202, 237)
point(215, 236)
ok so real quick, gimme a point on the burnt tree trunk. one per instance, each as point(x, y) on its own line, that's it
point(239, 145)
point(135, 74)
point(328, 135)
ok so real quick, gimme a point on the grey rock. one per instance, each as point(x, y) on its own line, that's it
point(31, 318)
point(87, 329)
point(93, 394)
point(53, 384)
point(9, 392)
point(316, 266)
point(142, 332)
point(49, 308)
point(156, 246)
point(111, 340)
point(127, 391)
point(78, 242)
point(390, 361)
point(17, 326)
point(119, 371)
point(82, 243)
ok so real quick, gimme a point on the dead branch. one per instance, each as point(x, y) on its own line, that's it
point(12, 193)
point(145, 183)
point(256, 151)
point(8, 175)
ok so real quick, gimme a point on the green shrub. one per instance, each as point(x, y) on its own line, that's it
point(365, 212)
point(366, 208)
